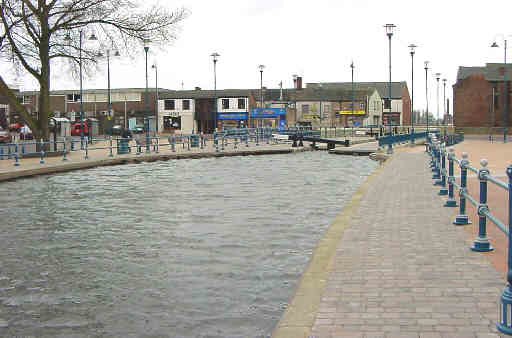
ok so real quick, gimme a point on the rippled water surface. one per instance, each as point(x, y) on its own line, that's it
point(187, 248)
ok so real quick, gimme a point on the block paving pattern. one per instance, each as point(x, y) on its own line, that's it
point(403, 270)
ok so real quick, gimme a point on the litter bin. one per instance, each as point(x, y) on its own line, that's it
point(123, 146)
point(194, 140)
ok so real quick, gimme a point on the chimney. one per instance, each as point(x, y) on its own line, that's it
point(299, 82)
point(198, 88)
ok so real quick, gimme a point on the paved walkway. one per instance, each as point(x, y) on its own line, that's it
point(398, 267)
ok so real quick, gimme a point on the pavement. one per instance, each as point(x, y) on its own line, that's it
point(392, 264)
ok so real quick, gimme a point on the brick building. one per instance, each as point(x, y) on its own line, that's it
point(478, 96)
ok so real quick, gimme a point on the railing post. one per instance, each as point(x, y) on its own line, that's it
point(16, 163)
point(481, 243)
point(111, 154)
point(157, 145)
point(443, 191)
point(437, 159)
point(222, 143)
point(257, 137)
point(41, 161)
point(505, 322)
point(64, 158)
point(462, 218)
point(235, 142)
point(173, 144)
point(86, 150)
point(247, 139)
point(451, 200)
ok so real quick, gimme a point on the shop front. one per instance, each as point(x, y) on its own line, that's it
point(171, 122)
point(233, 120)
point(268, 117)
point(352, 118)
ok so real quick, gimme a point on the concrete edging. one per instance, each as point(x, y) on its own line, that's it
point(298, 319)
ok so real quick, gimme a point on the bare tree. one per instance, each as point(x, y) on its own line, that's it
point(36, 35)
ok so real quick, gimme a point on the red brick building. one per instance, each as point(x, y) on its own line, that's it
point(479, 96)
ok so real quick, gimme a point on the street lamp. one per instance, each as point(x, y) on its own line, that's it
point(155, 67)
point(437, 76)
point(505, 87)
point(389, 32)
point(109, 100)
point(215, 57)
point(146, 50)
point(426, 91)
point(92, 38)
point(412, 48)
point(352, 68)
point(261, 67)
point(444, 104)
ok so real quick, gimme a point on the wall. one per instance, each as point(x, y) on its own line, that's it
point(472, 103)
point(188, 124)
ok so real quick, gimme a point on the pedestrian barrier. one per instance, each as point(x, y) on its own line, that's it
point(437, 151)
point(401, 138)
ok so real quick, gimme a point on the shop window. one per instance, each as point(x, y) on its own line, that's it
point(305, 108)
point(171, 122)
point(241, 103)
point(225, 103)
point(186, 104)
point(169, 104)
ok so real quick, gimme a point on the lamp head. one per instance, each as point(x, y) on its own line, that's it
point(389, 28)
point(93, 37)
point(117, 53)
point(444, 81)
point(494, 44)
point(412, 48)
point(426, 64)
point(146, 44)
point(295, 76)
point(67, 37)
point(438, 76)
point(215, 56)
point(261, 67)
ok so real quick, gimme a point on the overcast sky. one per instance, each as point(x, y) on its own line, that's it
point(317, 40)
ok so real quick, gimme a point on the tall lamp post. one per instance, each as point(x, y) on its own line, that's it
point(444, 105)
point(389, 32)
point(155, 67)
point(438, 76)
point(261, 67)
point(93, 38)
point(146, 50)
point(109, 96)
point(412, 48)
point(215, 58)
point(352, 69)
point(505, 84)
point(426, 93)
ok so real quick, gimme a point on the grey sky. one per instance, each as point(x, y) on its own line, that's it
point(315, 39)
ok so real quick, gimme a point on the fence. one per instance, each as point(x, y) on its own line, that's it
point(439, 156)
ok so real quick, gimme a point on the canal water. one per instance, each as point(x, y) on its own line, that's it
point(187, 248)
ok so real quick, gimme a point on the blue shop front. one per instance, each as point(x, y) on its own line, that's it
point(232, 120)
point(268, 117)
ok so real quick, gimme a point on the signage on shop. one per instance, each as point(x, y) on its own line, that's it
point(232, 116)
point(352, 112)
point(263, 113)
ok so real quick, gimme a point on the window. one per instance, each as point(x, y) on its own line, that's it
point(225, 103)
point(241, 103)
point(361, 105)
point(305, 108)
point(169, 104)
point(387, 104)
point(73, 97)
point(186, 104)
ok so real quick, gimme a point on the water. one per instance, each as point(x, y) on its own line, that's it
point(187, 248)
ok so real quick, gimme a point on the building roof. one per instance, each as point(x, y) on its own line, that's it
point(491, 71)
point(203, 94)
point(381, 87)
point(96, 91)
point(330, 94)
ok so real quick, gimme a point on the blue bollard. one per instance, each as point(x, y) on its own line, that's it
point(247, 140)
point(443, 191)
point(437, 167)
point(9, 156)
point(64, 158)
point(462, 218)
point(222, 143)
point(86, 150)
point(235, 143)
point(16, 163)
point(481, 243)
point(202, 142)
point(505, 322)
point(111, 154)
point(173, 144)
point(451, 200)
point(41, 161)
point(257, 138)
point(72, 145)
point(157, 145)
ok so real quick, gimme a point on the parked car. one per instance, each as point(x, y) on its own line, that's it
point(77, 127)
point(5, 137)
point(15, 127)
point(26, 133)
point(119, 130)
point(138, 129)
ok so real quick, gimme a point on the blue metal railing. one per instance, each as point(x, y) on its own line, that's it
point(401, 138)
point(437, 151)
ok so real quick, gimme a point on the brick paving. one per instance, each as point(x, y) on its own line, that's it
point(403, 270)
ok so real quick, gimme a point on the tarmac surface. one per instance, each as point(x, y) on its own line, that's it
point(392, 264)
